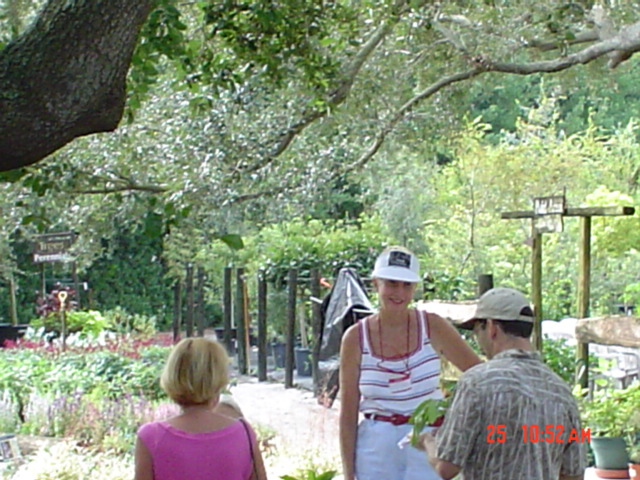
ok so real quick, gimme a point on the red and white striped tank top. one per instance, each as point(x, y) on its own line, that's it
point(398, 385)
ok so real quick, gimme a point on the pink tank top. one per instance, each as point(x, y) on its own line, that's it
point(177, 455)
point(398, 385)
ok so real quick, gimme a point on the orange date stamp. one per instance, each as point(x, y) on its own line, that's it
point(535, 433)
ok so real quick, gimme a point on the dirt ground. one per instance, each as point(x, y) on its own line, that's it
point(305, 433)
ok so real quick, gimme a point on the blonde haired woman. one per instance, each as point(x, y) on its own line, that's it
point(389, 364)
point(200, 443)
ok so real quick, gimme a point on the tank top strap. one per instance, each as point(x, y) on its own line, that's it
point(424, 326)
point(365, 344)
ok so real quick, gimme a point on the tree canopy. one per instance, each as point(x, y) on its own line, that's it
point(231, 117)
point(63, 77)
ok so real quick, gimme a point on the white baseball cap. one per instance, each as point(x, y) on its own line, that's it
point(501, 303)
point(397, 264)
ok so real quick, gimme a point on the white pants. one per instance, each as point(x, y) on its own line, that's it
point(378, 456)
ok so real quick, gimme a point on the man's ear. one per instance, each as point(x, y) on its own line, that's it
point(492, 328)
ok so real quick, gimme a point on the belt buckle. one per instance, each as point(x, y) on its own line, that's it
point(398, 419)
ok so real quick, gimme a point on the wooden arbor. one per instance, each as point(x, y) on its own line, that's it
point(584, 275)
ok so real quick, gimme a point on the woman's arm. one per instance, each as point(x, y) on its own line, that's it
point(450, 344)
point(349, 398)
point(143, 461)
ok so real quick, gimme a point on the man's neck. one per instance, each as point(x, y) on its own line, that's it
point(510, 343)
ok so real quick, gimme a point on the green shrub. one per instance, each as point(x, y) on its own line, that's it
point(123, 322)
point(67, 461)
point(89, 322)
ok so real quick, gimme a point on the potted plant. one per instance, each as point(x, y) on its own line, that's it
point(634, 437)
point(634, 462)
point(609, 416)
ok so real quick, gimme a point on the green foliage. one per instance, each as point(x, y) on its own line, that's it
point(105, 373)
point(121, 321)
point(306, 244)
point(312, 475)
point(131, 275)
point(68, 461)
point(631, 294)
point(617, 235)
point(90, 322)
point(612, 413)
point(561, 358)
point(426, 414)
point(278, 37)
point(634, 453)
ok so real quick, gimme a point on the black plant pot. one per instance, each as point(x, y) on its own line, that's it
point(303, 361)
point(11, 332)
point(279, 352)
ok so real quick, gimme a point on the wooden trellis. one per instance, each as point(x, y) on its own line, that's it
point(584, 275)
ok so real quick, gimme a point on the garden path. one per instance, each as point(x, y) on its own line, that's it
point(305, 433)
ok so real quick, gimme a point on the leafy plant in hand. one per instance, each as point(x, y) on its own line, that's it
point(426, 414)
point(311, 474)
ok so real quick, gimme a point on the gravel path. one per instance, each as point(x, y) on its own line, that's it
point(306, 433)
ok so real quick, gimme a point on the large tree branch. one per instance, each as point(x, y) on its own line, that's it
point(340, 93)
point(132, 187)
point(115, 183)
point(246, 197)
point(587, 36)
point(625, 44)
point(64, 77)
point(403, 111)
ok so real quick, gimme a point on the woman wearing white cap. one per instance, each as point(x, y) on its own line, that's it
point(389, 364)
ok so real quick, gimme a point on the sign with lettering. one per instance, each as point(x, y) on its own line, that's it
point(53, 247)
point(548, 213)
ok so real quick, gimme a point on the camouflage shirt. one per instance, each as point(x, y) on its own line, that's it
point(513, 417)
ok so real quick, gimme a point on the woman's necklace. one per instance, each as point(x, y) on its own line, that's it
point(405, 357)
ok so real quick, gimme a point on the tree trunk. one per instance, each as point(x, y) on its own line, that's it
point(65, 76)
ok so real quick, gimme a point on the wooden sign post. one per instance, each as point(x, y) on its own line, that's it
point(584, 276)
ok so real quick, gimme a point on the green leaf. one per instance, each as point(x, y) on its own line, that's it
point(425, 414)
point(233, 240)
point(13, 175)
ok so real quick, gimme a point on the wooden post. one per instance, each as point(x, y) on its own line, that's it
point(585, 214)
point(189, 287)
point(536, 289)
point(262, 327)
point(239, 321)
point(43, 280)
point(13, 312)
point(76, 284)
point(227, 310)
point(200, 301)
point(316, 327)
point(177, 310)
point(485, 282)
point(584, 292)
point(246, 320)
point(291, 328)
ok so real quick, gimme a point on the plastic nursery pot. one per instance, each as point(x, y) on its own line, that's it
point(303, 361)
point(279, 351)
point(610, 454)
